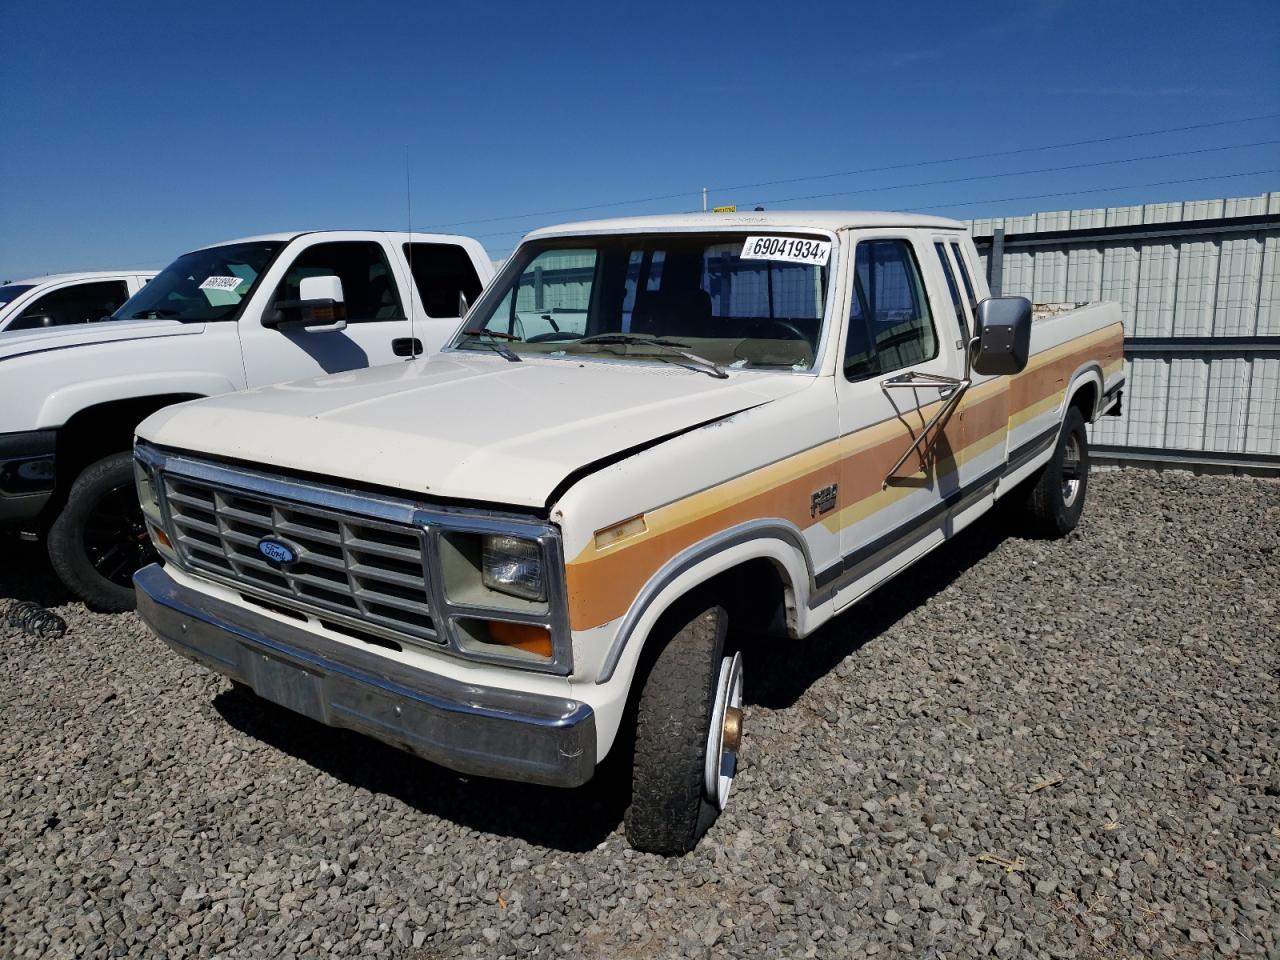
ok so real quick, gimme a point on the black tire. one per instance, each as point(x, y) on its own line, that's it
point(99, 539)
point(1051, 511)
point(669, 809)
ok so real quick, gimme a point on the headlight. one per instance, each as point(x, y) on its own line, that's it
point(513, 565)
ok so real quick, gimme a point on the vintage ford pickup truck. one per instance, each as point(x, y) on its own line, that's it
point(649, 438)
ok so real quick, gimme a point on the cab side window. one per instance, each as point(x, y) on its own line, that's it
point(441, 272)
point(890, 325)
point(368, 286)
point(961, 319)
point(76, 304)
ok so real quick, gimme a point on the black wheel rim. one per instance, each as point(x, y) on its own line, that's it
point(115, 536)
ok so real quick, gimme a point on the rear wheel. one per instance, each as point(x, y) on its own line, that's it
point(100, 539)
point(688, 732)
point(1055, 499)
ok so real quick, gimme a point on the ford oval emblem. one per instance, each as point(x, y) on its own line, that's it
point(276, 552)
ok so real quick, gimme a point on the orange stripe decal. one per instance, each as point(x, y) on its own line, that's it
point(603, 581)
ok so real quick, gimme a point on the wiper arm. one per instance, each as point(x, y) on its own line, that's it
point(701, 364)
point(492, 343)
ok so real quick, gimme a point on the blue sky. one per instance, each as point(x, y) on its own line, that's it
point(134, 132)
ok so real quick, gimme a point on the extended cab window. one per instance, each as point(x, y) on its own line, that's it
point(890, 326)
point(368, 287)
point(964, 276)
point(442, 271)
point(953, 289)
point(77, 304)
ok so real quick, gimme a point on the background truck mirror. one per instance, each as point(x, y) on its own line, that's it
point(319, 306)
point(1004, 335)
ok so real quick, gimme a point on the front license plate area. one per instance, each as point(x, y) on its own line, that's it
point(291, 687)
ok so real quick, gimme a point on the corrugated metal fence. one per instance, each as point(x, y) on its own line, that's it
point(1199, 283)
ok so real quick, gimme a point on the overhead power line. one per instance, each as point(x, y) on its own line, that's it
point(1025, 173)
point(1078, 193)
point(1064, 193)
point(887, 188)
point(849, 173)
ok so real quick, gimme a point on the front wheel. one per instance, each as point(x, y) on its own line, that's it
point(1056, 497)
point(688, 732)
point(100, 539)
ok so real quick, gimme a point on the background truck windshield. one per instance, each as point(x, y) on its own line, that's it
point(692, 290)
point(203, 285)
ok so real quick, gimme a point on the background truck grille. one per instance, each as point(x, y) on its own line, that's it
point(366, 569)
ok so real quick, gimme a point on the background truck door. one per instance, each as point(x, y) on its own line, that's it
point(374, 294)
point(895, 329)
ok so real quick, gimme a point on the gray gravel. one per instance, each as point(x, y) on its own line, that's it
point(1099, 713)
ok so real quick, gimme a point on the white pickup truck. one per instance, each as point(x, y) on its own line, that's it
point(651, 437)
point(226, 317)
point(60, 299)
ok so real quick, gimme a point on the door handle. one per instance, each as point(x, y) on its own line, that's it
point(406, 346)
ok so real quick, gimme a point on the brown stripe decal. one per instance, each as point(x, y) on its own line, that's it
point(602, 582)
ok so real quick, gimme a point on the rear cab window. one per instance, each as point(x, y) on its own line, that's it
point(442, 272)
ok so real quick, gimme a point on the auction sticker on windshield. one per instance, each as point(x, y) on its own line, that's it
point(221, 283)
point(794, 249)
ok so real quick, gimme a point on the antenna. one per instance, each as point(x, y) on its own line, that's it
point(413, 280)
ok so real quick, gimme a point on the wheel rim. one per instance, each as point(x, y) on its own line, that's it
point(115, 536)
point(724, 739)
point(1071, 469)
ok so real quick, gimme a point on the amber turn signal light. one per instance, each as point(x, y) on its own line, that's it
point(522, 636)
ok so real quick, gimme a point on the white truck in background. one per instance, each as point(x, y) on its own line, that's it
point(231, 316)
point(60, 299)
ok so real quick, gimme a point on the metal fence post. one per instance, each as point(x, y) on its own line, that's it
point(995, 262)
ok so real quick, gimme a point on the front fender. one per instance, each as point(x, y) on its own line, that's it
point(778, 541)
point(64, 402)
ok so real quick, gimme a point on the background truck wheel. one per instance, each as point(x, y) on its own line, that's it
point(1056, 497)
point(100, 539)
point(688, 726)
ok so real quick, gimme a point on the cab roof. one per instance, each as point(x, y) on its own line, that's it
point(83, 275)
point(760, 219)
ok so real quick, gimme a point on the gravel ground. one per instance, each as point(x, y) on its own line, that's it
point(1036, 749)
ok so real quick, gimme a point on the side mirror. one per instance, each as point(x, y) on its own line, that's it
point(33, 321)
point(1004, 335)
point(319, 307)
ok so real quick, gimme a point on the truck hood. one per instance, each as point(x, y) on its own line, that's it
point(462, 427)
point(21, 342)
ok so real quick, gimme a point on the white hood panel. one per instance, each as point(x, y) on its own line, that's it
point(461, 426)
point(19, 342)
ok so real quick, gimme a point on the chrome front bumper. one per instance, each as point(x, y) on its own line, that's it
point(477, 730)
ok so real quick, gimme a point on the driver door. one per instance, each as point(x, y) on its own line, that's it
point(374, 295)
point(892, 494)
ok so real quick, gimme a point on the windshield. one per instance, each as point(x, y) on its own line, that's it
point(736, 300)
point(203, 285)
point(11, 291)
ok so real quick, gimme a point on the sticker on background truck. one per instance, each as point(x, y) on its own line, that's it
point(221, 283)
point(793, 249)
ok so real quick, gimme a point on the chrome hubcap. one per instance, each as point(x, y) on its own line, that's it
point(725, 735)
point(1071, 470)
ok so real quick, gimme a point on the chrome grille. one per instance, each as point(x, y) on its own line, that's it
point(366, 569)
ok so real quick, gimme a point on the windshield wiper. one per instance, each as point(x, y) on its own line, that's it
point(701, 364)
point(504, 352)
point(160, 312)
